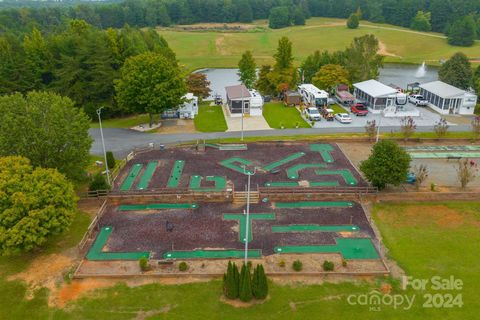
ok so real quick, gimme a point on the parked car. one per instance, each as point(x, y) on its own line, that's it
point(343, 118)
point(328, 114)
point(418, 100)
point(359, 109)
point(312, 114)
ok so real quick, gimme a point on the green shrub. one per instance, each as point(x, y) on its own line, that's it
point(231, 281)
point(259, 283)
point(344, 263)
point(98, 182)
point(353, 21)
point(297, 265)
point(143, 263)
point(281, 263)
point(245, 293)
point(110, 160)
point(328, 265)
point(183, 266)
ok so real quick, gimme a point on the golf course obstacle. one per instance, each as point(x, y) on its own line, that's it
point(212, 254)
point(278, 163)
point(349, 248)
point(132, 175)
point(313, 204)
point(156, 206)
point(293, 172)
point(227, 147)
point(230, 164)
point(325, 151)
point(196, 180)
point(176, 173)
point(242, 218)
point(96, 254)
point(147, 175)
point(345, 173)
point(315, 228)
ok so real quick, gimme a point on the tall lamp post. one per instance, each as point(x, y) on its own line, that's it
point(247, 221)
point(99, 112)
point(243, 111)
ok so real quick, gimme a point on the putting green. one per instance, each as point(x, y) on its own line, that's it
point(229, 163)
point(156, 206)
point(349, 248)
point(442, 148)
point(280, 162)
point(196, 180)
point(147, 175)
point(292, 172)
point(95, 252)
point(132, 175)
point(314, 204)
point(444, 155)
point(314, 227)
point(242, 218)
point(211, 254)
point(345, 173)
point(176, 173)
point(324, 183)
point(324, 149)
point(282, 184)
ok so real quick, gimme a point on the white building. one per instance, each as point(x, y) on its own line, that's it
point(447, 99)
point(187, 110)
point(240, 98)
point(376, 95)
point(312, 96)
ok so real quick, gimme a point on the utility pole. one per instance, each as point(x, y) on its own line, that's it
point(99, 112)
point(243, 111)
point(247, 221)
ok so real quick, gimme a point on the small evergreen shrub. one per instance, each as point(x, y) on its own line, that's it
point(183, 266)
point(297, 265)
point(245, 293)
point(143, 263)
point(110, 160)
point(281, 263)
point(344, 263)
point(328, 265)
point(98, 182)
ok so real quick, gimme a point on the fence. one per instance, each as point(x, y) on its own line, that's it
point(92, 227)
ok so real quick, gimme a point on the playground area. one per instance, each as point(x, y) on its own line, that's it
point(217, 167)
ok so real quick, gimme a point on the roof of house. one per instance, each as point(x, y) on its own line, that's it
point(442, 89)
point(374, 88)
point(237, 92)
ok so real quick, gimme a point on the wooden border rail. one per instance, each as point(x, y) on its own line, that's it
point(318, 190)
point(93, 225)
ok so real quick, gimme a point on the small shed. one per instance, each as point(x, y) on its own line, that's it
point(447, 99)
point(343, 95)
point(292, 98)
point(238, 98)
point(376, 95)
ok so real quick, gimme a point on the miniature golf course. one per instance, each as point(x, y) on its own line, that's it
point(176, 173)
point(132, 175)
point(230, 164)
point(242, 218)
point(325, 151)
point(147, 175)
point(293, 172)
point(344, 173)
point(314, 204)
point(196, 180)
point(278, 163)
point(315, 228)
point(156, 206)
point(211, 254)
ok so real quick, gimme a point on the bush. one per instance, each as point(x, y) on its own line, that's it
point(279, 18)
point(297, 265)
point(353, 21)
point(281, 263)
point(110, 160)
point(245, 293)
point(328, 265)
point(98, 183)
point(231, 281)
point(143, 263)
point(183, 266)
point(259, 283)
point(344, 263)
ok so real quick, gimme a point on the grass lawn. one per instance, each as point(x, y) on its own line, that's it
point(210, 119)
point(426, 239)
point(208, 49)
point(276, 114)
point(338, 109)
point(126, 122)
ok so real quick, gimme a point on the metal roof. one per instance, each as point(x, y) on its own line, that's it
point(237, 92)
point(442, 89)
point(374, 88)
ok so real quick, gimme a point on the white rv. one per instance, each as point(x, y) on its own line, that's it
point(312, 96)
point(187, 110)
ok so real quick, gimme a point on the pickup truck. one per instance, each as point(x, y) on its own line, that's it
point(359, 109)
point(417, 100)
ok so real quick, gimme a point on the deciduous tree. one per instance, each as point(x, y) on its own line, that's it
point(361, 59)
point(462, 32)
point(353, 21)
point(198, 84)
point(457, 71)
point(247, 69)
point(329, 76)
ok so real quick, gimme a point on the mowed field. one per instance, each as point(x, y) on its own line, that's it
point(202, 49)
point(426, 239)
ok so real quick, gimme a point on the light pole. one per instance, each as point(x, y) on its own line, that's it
point(243, 110)
point(99, 112)
point(247, 221)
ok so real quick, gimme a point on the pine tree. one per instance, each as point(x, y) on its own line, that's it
point(236, 280)
point(255, 287)
point(230, 286)
point(110, 160)
point(262, 283)
point(247, 69)
point(245, 293)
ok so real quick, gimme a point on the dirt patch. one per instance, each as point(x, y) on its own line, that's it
point(220, 44)
point(382, 50)
point(215, 27)
point(147, 314)
point(177, 126)
point(240, 304)
point(68, 292)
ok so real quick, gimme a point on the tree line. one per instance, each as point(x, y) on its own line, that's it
point(424, 15)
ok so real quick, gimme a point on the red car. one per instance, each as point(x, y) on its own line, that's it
point(359, 109)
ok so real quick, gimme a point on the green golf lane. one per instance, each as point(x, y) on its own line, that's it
point(349, 248)
point(442, 148)
point(242, 219)
point(314, 204)
point(282, 184)
point(292, 172)
point(280, 162)
point(196, 180)
point(211, 254)
point(444, 155)
point(324, 183)
point(296, 184)
point(324, 149)
point(156, 206)
point(176, 173)
point(315, 228)
point(132, 175)
point(345, 173)
point(95, 253)
point(147, 175)
point(229, 163)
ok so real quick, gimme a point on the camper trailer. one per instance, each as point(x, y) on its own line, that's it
point(312, 96)
point(343, 96)
point(187, 110)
